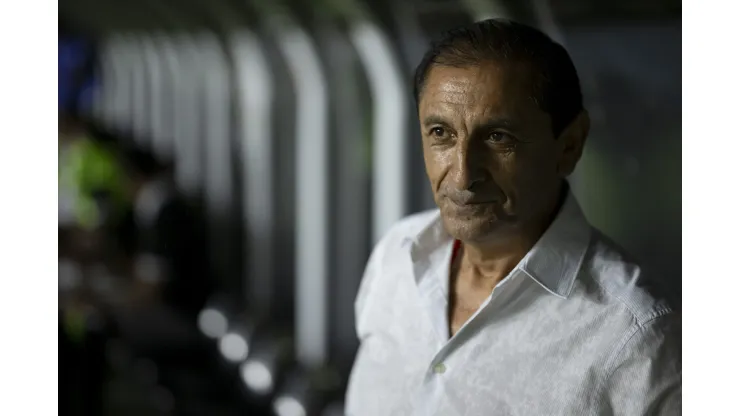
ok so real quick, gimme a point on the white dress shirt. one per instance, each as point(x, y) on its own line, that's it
point(572, 330)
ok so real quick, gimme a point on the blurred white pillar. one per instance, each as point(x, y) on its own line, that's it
point(312, 227)
point(188, 116)
point(215, 94)
point(153, 124)
point(141, 105)
point(164, 124)
point(117, 99)
point(390, 118)
point(256, 151)
point(351, 108)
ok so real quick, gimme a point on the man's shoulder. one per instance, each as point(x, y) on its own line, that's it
point(407, 229)
point(380, 281)
point(389, 252)
point(635, 312)
point(610, 273)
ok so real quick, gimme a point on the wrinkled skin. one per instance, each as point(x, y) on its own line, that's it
point(495, 167)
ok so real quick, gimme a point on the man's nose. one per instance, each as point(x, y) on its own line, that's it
point(469, 167)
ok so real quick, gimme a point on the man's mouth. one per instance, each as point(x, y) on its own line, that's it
point(464, 202)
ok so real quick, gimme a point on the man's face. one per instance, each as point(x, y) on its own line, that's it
point(493, 163)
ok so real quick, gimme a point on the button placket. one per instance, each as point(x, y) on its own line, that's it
point(439, 368)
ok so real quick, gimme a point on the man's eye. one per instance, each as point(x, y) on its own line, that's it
point(438, 132)
point(500, 137)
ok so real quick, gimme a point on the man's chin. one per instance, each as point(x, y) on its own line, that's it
point(473, 227)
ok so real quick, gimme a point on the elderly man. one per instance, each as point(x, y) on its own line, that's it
point(505, 301)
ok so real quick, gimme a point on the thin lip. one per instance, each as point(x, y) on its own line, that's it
point(471, 203)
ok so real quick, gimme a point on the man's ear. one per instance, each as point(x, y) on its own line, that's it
point(571, 142)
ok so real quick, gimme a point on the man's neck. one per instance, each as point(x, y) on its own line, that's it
point(488, 262)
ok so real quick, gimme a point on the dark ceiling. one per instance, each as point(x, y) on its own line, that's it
point(98, 17)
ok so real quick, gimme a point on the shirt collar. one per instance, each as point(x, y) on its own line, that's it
point(553, 262)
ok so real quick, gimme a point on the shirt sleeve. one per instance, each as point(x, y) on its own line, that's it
point(645, 375)
point(356, 388)
point(372, 269)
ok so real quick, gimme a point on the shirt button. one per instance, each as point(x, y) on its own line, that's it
point(439, 368)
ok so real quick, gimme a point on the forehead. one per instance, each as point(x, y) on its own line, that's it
point(488, 88)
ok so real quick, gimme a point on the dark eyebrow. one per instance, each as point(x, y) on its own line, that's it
point(494, 123)
point(489, 124)
point(434, 119)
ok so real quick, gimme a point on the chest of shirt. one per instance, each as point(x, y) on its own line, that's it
point(523, 349)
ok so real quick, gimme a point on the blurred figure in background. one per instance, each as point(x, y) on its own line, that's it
point(163, 237)
point(505, 300)
point(144, 275)
point(162, 247)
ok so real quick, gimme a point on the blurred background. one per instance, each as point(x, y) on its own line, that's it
point(226, 166)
